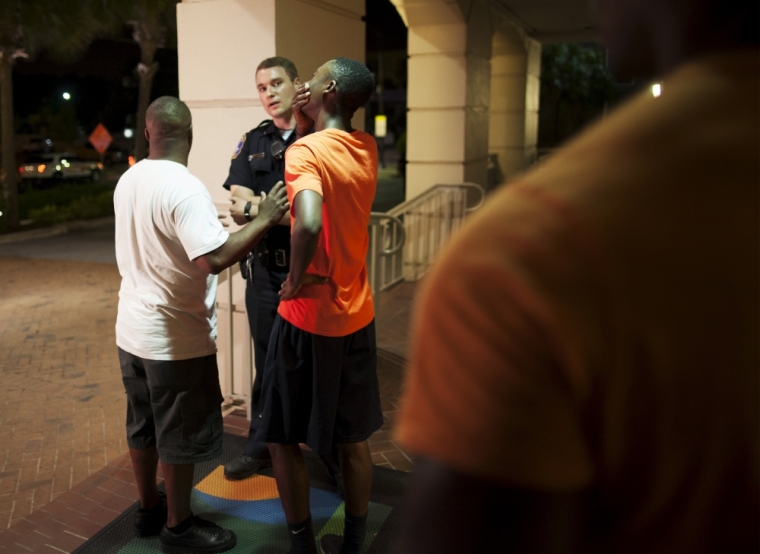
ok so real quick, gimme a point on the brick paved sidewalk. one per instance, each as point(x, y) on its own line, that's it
point(62, 403)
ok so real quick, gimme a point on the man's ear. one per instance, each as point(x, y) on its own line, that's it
point(297, 82)
point(331, 86)
point(147, 134)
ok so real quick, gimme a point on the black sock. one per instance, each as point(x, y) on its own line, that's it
point(182, 527)
point(353, 536)
point(302, 537)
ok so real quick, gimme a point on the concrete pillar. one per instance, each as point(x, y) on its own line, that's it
point(448, 95)
point(514, 102)
point(220, 43)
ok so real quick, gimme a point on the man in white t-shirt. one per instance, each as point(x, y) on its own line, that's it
point(169, 247)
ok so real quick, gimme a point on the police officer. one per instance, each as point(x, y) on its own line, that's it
point(257, 165)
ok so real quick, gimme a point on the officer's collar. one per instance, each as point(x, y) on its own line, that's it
point(271, 128)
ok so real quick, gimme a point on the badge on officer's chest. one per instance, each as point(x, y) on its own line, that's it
point(258, 156)
point(239, 147)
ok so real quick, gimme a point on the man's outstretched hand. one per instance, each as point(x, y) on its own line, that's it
point(274, 205)
point(303, 121)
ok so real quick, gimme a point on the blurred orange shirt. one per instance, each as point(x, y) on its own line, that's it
point(595, 327)
point(342, 168)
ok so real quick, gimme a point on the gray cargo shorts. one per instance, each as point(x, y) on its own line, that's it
point(174, 405)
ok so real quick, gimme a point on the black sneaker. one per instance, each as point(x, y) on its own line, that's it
point(148, 523)
point(330, 544)
point(203, 536)
point(244, 466)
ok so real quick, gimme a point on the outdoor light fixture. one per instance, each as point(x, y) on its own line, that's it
point(66, 96)
point(656, 90)
point(381, 126)
point(41, 168)
point(129, 133)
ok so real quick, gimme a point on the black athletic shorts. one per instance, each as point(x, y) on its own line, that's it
point(174, 405)
point(320, 390)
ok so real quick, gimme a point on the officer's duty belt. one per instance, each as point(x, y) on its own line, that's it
point(272, 258)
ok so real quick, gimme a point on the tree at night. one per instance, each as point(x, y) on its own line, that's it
point(575, 88)
point(151, 23)
point(62, 27)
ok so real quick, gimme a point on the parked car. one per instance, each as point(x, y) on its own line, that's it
point(61, 165)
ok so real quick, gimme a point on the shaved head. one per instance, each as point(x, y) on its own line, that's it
point(168, 118)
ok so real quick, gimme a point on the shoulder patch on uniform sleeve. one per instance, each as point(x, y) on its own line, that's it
point(239, 147)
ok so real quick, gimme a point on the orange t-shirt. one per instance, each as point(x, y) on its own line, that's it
point(342, 168)
point(595, 327)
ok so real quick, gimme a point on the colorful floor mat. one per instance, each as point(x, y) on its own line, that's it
point(252, 509)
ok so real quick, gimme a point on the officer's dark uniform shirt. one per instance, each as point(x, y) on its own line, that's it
point(258, 163)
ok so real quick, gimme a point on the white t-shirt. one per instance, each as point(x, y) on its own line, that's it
point(165, 219)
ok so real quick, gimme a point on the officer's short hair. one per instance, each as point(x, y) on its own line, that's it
point(354, 84)
point(279, 61)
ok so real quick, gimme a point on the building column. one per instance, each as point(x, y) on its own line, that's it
point(448, 94)
point(514, 102)
point(220, 44)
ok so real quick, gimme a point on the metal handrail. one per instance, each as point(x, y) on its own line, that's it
point(421, 227)
point(375, 218)
point(405, 207)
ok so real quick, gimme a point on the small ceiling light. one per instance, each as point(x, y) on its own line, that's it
point(66, 96)
point(128, 133)
point(656, 90)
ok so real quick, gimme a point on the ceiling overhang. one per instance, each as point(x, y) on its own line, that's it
point(543, 20)
point(550, 20)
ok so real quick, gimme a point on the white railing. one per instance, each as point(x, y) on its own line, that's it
point(405, 241)
point(386, 239)
point(234, 344)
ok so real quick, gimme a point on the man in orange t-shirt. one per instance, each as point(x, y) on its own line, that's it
point(320, 373)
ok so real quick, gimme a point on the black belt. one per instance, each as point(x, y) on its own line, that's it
point(272, 257)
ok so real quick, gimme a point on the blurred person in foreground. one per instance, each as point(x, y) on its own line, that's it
point(320, 376)
point(584, 369)
point(170, 246)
